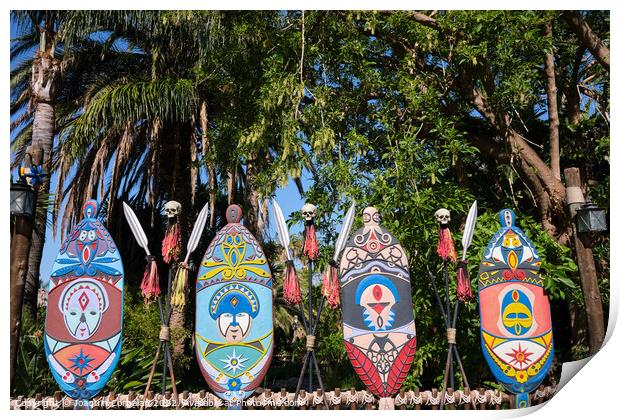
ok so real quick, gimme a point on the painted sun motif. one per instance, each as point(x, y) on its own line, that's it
point(234, 362)
point(520, 356)
point(81, 361)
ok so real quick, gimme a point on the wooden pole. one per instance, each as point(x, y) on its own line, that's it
point(587, 269)
point(20, 249)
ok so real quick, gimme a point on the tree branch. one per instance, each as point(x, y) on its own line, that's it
point(587, 37)
point(425, 20)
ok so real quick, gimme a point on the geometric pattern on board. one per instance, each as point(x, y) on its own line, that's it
point(377, 309)
point(515, 315)
point(234, 314)
point(84, 319)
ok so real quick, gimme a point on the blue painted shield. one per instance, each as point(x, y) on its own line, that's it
point(515, 316)
point(84, 319)
point(234, 314)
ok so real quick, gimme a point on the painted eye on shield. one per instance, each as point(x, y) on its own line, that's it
point(224, 322)
point(243, 319)
point(73, 313)
point(91, 235)
point(83, 235)
point(93, 313)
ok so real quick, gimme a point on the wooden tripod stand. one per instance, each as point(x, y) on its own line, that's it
point(164, 342)
point(310, 325)
point(451, 333)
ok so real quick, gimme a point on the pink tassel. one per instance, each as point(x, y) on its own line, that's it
point(171, 245)
point(331, 287)
point(292, 292)
point(445, 246)
point(463, 285)
point(150, 281)
point(311, 246)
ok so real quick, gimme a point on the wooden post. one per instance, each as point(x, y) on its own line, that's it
point(302, 394)
point(353, 404)
point(402, 395)
point(416, 392)
point(20, 249)
point(450, 393)
point(585, 260)
point(283, 394)
point(337, 395)
point(482, 406)
point(467, 406)
point(131, 396)
point(319, 393)
point(434, 394)
point(268, 406)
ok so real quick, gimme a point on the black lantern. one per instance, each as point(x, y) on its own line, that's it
point(591, 219)
point(22, 199)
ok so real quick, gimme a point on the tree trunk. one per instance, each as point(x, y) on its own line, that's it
point(208, 156)
point(573, 98)
point(45, 77)
point(552, 106)
point(587, 269)
point(252, 197)
point(20, 248)
point(181, 193)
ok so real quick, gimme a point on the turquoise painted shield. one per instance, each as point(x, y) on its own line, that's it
point(234, 313)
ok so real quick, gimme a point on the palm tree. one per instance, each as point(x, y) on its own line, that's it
point(156, 105)
point(33, 100)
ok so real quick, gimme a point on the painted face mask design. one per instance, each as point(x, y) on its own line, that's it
point(82, 305)
point(234, 307)
point(377, 295)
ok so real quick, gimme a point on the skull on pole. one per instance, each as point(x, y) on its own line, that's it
point(172, 209)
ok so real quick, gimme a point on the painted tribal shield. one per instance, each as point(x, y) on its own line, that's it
point(377, 311)
point(84, 318)
point(517, 340)
point(234, 312)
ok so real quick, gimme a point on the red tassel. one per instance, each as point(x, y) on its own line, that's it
point(150, 281)
point(445, 246)
point(171, 245)
point(463, 285)
point(311, 246)
point(331, 287)
point(292, 292)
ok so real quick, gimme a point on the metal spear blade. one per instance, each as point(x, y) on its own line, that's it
point(282, 230)
point(199, 226)
point(136, 228)
point(347, 223)
point(470, 226)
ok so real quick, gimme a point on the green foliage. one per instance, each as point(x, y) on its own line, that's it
point(32, 373)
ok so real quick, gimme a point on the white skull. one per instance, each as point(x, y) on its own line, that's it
point(308, 211)
point(443, 216)
point(172, 209)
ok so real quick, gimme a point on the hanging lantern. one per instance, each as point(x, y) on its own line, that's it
point(591, 218)
point(22, 199)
